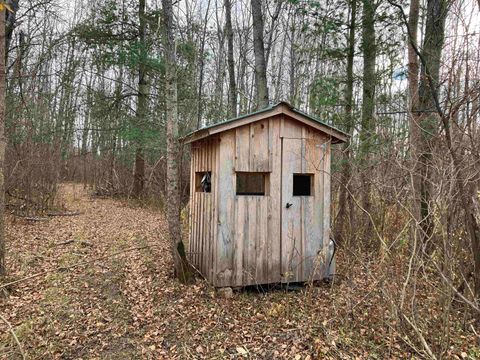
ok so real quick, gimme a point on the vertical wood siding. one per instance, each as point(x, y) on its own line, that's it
point(202, 207)
point(248, 240)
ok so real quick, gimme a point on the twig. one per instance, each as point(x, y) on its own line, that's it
point(10, 328)
point(65, 214)
point(422, 339)
point(65, 242)
point(71, 241)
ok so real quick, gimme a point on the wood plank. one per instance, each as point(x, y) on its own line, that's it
point(275, 204)
point(226, 210)
point(291, 129)
point(215, 191)
point(291, 217)
point(191, 199)
point(259, 147)
point(242, 148)
point(247, 120)
point(251, 239)
point(240, 234)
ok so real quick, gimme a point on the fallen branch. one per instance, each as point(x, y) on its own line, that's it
point(64, 214)
point(65, 242)
point(64, 268)
point(36, 219)
point(10, 328)
point(30, 218)
point(71, 241)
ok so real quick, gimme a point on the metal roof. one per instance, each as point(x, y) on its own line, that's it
point(337, 134)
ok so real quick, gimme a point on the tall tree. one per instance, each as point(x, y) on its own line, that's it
point(182, 268)
point(142, 102)
point(201, 66)
point(232, 90)
point(259, 50)
point(426, 119)
point(3, 142)
point(413, 68)
point(367, 134)
point(349, 124)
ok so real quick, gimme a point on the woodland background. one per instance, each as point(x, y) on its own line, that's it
point(89, 89)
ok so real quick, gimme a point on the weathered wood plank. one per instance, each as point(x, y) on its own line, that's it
point(226, 210)
point(291, 217)
point(241, 221)
point(259, 147)
point(291, 129)
point(275, 204)
point(216, 191)
point(242, 148)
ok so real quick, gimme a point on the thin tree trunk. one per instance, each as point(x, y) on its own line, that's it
point(367, 134)
point(415, 141)
point(259, 50)
point(427, 121)
point(293, 64)
point(142, 105)
point(202, 65)
point(3, 143)
point(182, 268)
point(347, 168)
point(232, 91)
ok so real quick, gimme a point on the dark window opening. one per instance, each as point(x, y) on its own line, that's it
point(203, 181)
point(302, 184)
point(252, 183)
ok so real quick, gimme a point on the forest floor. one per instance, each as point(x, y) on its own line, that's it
point(102, 289)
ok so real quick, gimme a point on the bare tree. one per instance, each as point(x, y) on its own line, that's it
point(3, 143)
point(142, 103)
point(367, 134)
point(182, 269)
point(232, 90)
point(349, 124)
point(259, 49)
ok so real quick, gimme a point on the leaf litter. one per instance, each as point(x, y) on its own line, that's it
point(116, 298)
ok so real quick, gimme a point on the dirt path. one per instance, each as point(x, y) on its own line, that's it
point(126, 305)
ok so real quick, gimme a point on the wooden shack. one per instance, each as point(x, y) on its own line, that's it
point(260, 198)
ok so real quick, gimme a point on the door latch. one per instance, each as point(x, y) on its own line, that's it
point(289, 205)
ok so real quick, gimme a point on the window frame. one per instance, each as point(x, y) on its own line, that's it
point(198, 181)
point(266, 183)
point(311, 176)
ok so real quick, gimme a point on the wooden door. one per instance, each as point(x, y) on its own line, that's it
point(302, 209)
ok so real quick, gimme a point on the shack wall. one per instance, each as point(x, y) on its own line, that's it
point(249, 239)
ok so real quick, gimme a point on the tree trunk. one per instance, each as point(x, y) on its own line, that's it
point(367, 134)
point(2, 142)
point(142, 105)
point(259, 50)
point(232, 91)
point(427, 119)
point(293, 64)
point(182, 268)
point(340, 233)
point(413, 67)
point(201, 70)
point(10, 23)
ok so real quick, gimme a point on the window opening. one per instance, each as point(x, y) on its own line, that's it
point(252, 183)
point(302, 184)
point(203, 181)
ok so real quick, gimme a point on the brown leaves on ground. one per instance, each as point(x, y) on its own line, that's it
point(109, 294)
